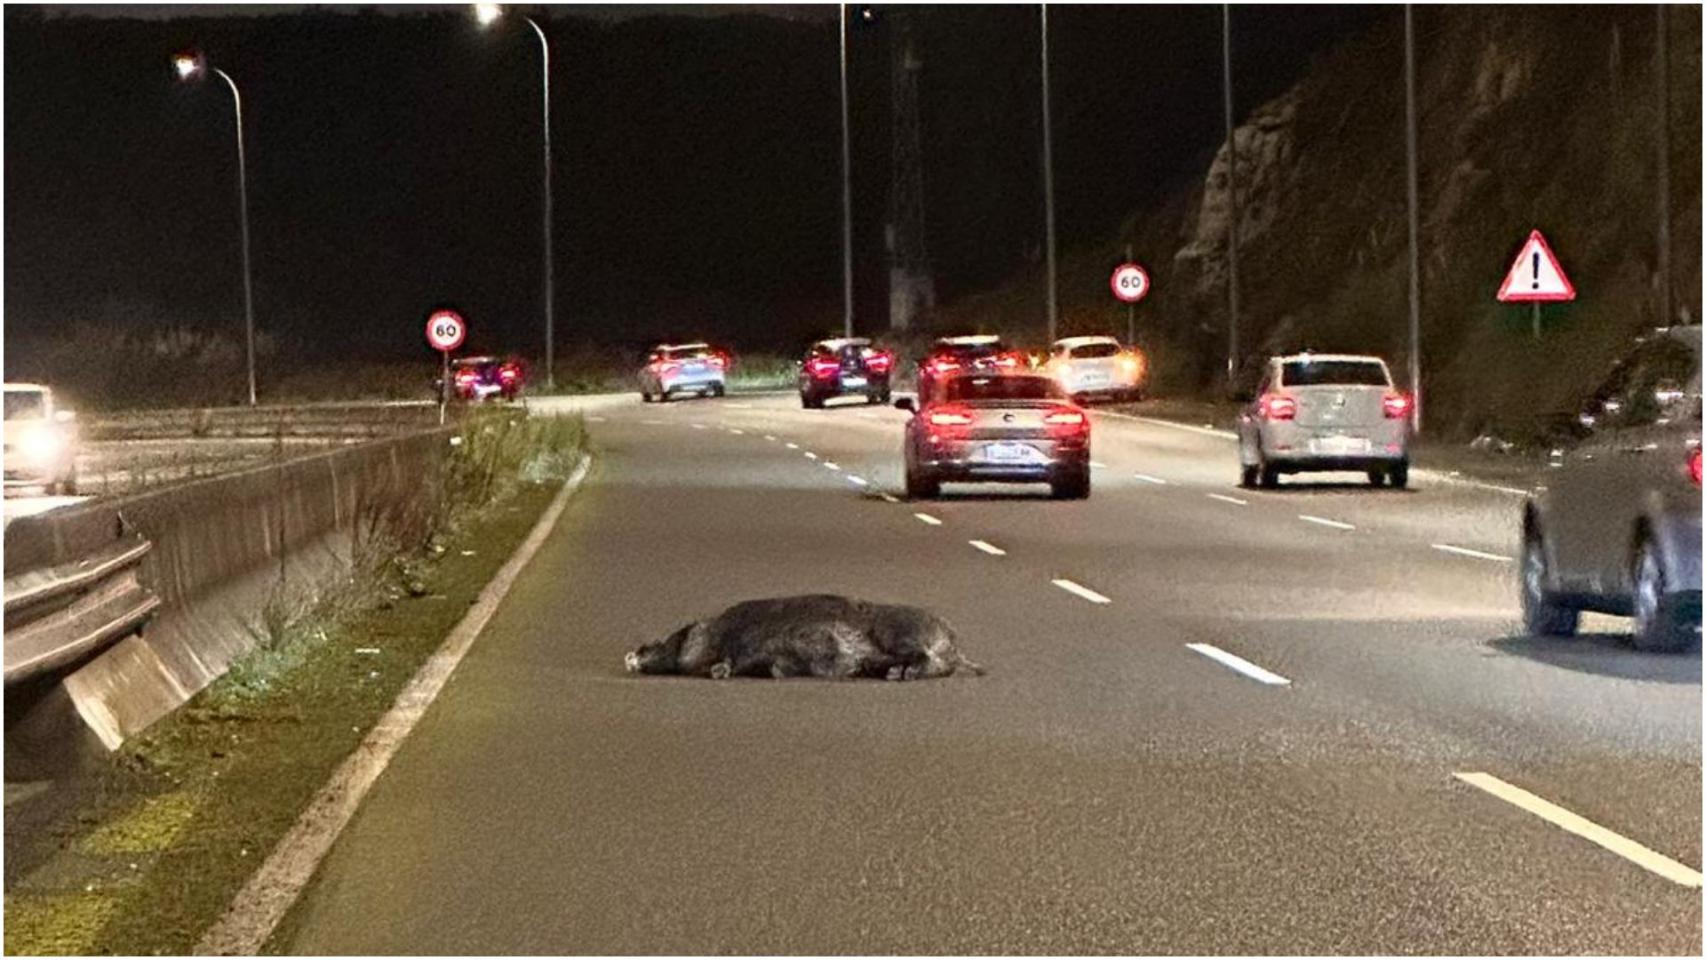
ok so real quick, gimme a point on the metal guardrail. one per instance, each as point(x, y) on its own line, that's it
point(59, 615)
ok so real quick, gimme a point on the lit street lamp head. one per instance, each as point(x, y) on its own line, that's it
point(487, 13)
point(188, 65)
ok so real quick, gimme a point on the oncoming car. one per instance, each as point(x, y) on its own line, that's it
point(845, 367)
point(1098, 368)
point(1321, 412)
point(1616, 528)
point(952, 356)
point(1005, 428)
point(40, 441)
point(683, 368)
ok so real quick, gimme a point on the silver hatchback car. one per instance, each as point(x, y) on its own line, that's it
point(1616, 527)
point(1315, 412)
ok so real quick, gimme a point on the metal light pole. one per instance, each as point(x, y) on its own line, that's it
point(846, 193)
point(1415, 230)
point(192, 67)
point(1662, 68)
point(1232, 196)
point(1048, 179)
point(488, 13)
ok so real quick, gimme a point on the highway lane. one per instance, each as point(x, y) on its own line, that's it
point(1107, 788)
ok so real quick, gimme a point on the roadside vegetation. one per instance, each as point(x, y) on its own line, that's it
point(143, 855)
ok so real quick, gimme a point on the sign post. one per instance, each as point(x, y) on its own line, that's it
point(445, 331)
point(1536, 277)
point(1130, 284)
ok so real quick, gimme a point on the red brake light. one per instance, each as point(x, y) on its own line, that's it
point(1694, 465)
point(719, 361)
point(950, 418)
point(1277, 406)
point(1067, 422)
point(1065, 417)
point(465, 376)
point(944, 365)
point(1396, 405)
point(508, 372)
point(1007, 360)
point(879, 362)
point(822, 366)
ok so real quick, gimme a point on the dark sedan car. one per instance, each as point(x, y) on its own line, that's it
point(480, 378)
point(1616, 528)
point(950, 357)
point(1006, 428)
point(845, 367)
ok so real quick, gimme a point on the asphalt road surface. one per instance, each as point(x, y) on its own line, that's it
point(1107, 788)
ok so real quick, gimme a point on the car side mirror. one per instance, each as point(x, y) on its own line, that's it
point(907, 404)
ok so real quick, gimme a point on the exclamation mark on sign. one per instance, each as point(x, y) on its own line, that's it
point(1536, 271)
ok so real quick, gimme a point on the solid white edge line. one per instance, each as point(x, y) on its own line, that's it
point(1323, 521)
point(1079, 590)
point(988, 548)
point(1477, 554)
point(274, 887)
point(1226, 499)
point(1628, 849)
point(1146, 478)
point(925, 517)
point(1205, 431)
point(597, 419)
point(1239, 664)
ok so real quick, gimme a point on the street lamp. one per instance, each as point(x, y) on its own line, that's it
point(846, 185)
point(193, 67)
point(488, 14)
point(1048, 178)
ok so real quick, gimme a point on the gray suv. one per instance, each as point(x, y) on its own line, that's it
point(1616, 528)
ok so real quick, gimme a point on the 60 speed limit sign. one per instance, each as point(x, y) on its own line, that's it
point(445, 330)
point(1130, 282)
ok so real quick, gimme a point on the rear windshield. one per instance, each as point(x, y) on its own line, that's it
point(1310, 373)
point(25, 405)
point(969, 349)
point(685, 353)
point(1095, 351)
point(1004, 388)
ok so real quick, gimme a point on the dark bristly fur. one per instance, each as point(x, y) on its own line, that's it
point(819, 635)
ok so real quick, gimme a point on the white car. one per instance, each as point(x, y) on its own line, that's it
point(40, 441)
point(1320, 412)
point(1098, 367)
point(683, 368)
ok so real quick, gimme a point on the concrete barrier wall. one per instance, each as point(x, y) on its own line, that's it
point(222, 546)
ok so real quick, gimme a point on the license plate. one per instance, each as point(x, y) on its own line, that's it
point(852, 381)
point(1095, 380)
point(694, 368)
point(1341, 445)
point(1010, 452)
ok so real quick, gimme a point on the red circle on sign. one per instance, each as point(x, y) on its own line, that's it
point(445, 330)
point(1130, 282)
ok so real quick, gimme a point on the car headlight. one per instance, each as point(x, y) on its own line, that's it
point(42, 445)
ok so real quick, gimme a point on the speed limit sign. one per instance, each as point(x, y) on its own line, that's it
point(1130, 282)
point(445, 330)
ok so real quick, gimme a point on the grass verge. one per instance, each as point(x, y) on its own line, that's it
point(145, 854)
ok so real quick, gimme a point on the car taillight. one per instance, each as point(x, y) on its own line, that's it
point(1694, 465)
point(508, 372)
point(1008, 361)
point(942, 365)
point(1066, 422)
point(717, 361)
point(950, 418)
point(1278, 407)
point(1396, 405)
point(666, 367)
point(822, 367)
point(879, 362)
point(464, 377)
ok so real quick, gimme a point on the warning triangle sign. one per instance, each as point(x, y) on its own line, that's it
point(1536, 276)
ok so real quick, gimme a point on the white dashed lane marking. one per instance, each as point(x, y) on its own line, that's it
point(1223, 498)
point(698, 426)
point(831, 465)
point(1586, 829)
point(793, 446)
point(1239, 664)
point(1146, 478)
point(770, 437)
point(853, 478)
point(1323, 521)
point(652, 423)
point(988, 548)
point(1079, 590)
point(737, 431)
point(1477, 554)
point(810, 455)
point(890, 498)
point(932, 521)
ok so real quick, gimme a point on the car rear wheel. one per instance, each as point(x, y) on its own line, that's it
point(1543, 615)
point(1661, 625)
point(810, 402)
point(1269, 477)
point(1399, 474)
point(1247, 476)
point(1073, 485)
point(921, 485)
point(1376, 478)
point(718, 390)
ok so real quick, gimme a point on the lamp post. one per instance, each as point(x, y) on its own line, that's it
point(192, 66)
point(1048, 179)
point(846, 192)
point(1232, 197)
point(487, 14)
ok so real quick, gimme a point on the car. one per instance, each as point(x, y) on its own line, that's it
point(40, 441)
point(952, 356)
point(684, 368)
point(848, 366)
point(1616, 527)
point(1098, 368)
point(997, 428)
point(481, 378)
point(1323, 412)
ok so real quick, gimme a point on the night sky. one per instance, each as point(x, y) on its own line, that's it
point(394, 161)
